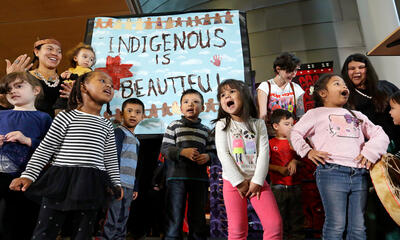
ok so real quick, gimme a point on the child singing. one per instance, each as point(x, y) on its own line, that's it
point(80, 147)
point(242, 146)
point(21, 130)
point(343, 155)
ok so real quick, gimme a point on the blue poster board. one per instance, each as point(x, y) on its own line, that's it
point(155, 58)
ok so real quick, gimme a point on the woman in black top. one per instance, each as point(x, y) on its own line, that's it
point(47, 55)
point(370, 95)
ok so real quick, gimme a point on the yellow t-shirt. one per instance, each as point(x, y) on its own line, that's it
point(79, 70)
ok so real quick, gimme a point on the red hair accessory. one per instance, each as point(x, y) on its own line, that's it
point(46, 41)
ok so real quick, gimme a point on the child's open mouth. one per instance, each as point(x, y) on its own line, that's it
point(345, 93)
point(107, 91)
point(230, 103)
point(190, 110)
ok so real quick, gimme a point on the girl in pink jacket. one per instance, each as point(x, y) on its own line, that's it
point(344, 144)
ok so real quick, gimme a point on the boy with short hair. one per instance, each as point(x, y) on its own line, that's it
point(187, 147)
point(127, 149)
point(284, 178)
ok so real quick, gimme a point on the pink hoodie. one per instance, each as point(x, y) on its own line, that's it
point(336, 131)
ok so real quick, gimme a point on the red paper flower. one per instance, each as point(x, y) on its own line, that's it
point(116, 70)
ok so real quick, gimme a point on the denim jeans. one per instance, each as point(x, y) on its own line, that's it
point(177, 192)
point(344, 196)
point(117, 217)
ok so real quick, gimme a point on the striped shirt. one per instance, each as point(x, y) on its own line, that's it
point(77, 139)
point(128, 157)
point(182, 134)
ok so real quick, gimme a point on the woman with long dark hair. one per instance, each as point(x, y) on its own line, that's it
point(370, 95)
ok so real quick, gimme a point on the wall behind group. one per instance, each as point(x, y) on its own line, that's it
point(22, 22)
point(315, 30)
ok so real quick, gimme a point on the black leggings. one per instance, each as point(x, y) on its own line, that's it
point(50, 222)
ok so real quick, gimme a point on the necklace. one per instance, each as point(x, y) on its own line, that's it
point(362, 94)
point(50, 82)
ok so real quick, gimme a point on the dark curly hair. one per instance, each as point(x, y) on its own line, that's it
point(286, 61)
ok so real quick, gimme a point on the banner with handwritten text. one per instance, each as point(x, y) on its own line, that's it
point(156, 58)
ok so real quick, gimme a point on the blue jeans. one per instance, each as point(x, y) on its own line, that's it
point(344, 196)
point(176, 193)
point(117, 217)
